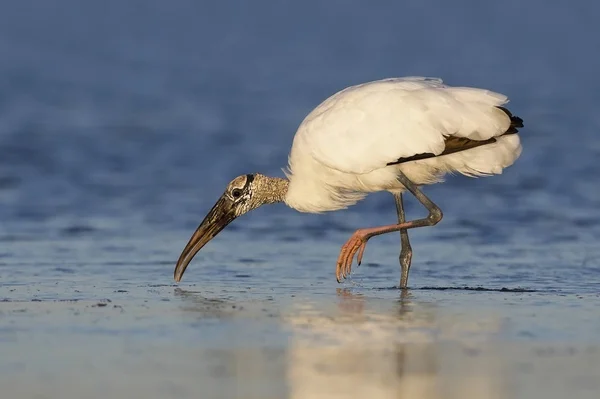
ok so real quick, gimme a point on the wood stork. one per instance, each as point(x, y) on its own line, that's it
point(388, 135)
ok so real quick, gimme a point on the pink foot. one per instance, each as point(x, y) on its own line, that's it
point(357, 242)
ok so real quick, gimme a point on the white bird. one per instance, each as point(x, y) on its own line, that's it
point(388, 135)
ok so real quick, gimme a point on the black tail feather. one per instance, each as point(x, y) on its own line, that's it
point(515, 121)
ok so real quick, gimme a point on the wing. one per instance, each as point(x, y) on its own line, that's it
point(366, 127)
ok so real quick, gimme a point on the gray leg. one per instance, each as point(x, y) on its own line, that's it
point(357, 242)
point(435, 213)
point(406, 251)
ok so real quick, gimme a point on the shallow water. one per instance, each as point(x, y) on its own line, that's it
point(121, 124)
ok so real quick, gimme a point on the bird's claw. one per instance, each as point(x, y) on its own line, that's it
point(357, 242)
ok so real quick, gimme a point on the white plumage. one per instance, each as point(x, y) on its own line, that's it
point(341, 150)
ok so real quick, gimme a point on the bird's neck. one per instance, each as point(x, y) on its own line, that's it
point(273, 189)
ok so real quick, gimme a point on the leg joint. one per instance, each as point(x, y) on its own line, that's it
point(435, 215)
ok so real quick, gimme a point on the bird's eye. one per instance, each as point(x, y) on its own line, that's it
point(236, 193)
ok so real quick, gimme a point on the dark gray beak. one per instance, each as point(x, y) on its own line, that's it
point(221, 214)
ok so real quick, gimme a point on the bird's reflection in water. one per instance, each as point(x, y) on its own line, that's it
point(353, 345)
point(350, 303)
point(204, 306)
point(371, 349)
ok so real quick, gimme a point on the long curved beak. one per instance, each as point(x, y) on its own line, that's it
point(221, 214)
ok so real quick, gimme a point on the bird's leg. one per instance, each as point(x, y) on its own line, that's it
point(406, 250)
point(358, 241)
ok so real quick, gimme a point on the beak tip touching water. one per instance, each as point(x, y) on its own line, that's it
point(183, 262)
point(177, 276)
point(216, 220)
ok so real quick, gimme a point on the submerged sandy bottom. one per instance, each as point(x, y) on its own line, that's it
point(318, 342)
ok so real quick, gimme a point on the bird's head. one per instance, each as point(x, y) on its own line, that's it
point(243, 194)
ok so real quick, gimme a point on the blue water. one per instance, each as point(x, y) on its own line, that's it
point(122, 122)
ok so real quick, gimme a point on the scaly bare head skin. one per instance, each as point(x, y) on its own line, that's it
point(243, 194)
